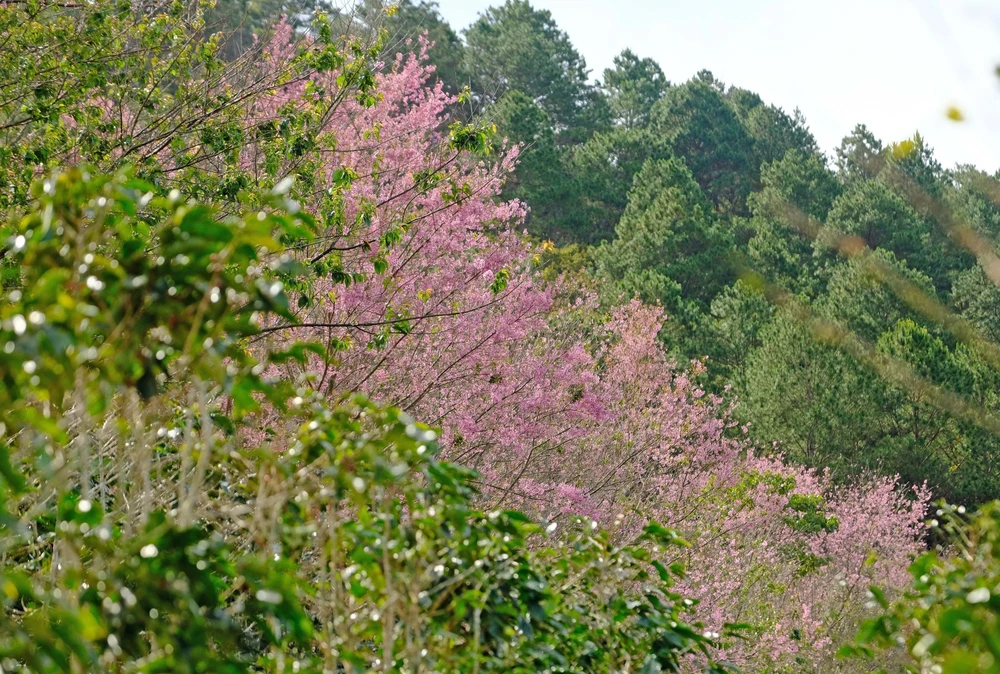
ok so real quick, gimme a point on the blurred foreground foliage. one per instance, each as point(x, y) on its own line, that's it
point(144, 530)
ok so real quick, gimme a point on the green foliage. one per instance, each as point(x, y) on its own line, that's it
point(832, 422)
point(409, 21)
point(689, 187)
point(242, 23)
point(773, 131)
point(914, 159)
point(605, 168)
point(858, 298)
point(975, 201)
point(877, 410)
point(977, 299)
point(336, 541)
point(947, 619)
point(516, 47)
point(669, 249)
point(540, 179)
point(668, 230)
point(108, 84)
point(766, 207)
point(809, 517)
point(471, 138)
point(571, 260)
point(120, 289)
point(633, 86)
point(775, 483)
point(858, 157)
point(797, 179)
point(699, 125)
point(732, 330)
point(871, 211)
point(799, 184)
point(927, 355)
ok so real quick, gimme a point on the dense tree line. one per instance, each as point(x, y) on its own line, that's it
point(286, 388)
point(703, 198)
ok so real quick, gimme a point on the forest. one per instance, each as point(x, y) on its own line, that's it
point(340, 339)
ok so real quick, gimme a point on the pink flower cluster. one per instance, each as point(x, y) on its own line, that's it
point(567, 417)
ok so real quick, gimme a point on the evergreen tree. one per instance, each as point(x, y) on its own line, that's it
point(413, 19)
point(699, 125)
point(859, 156)
point(816, 402)
point(774, 132)
point(604, 169)
point(875, 213)
point(912, 160)
point(670, 249)
point(515, 46)
point(977, 299)
point(669, 231)
point(858, 300)
point(975, 201)
point(799, 185)
point(540, 180)
point(733, 329)
point(633, 86)
point(243, 23)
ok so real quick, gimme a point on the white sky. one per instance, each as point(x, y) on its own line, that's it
point(895, 65)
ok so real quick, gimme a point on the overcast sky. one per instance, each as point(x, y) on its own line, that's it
point(895, 65)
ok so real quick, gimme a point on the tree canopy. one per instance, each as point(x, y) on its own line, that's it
point(340, 339)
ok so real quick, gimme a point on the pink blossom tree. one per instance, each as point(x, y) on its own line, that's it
point(773, 545)
point(428, 299)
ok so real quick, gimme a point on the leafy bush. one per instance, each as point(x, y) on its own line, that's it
point(947, 619)
point(140, 533)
